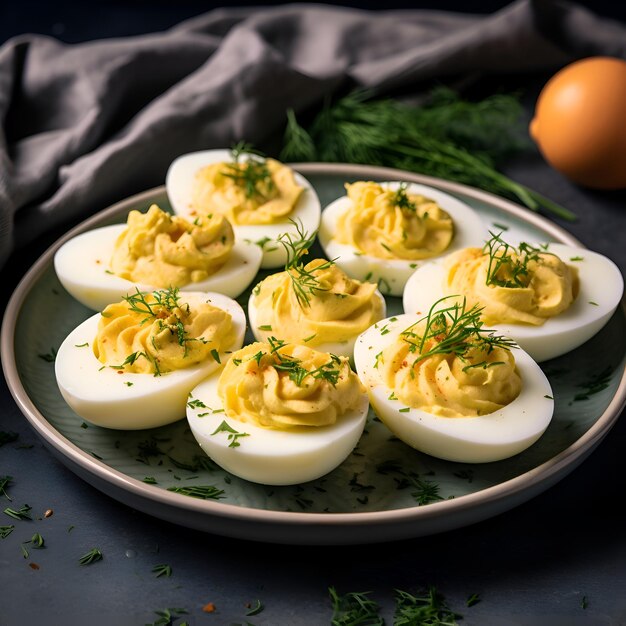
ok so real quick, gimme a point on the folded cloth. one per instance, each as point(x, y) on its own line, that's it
point(87, 124)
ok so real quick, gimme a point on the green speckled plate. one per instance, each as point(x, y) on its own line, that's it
point(384, 491)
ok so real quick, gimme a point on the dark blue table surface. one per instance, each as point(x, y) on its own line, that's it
point(558, 559)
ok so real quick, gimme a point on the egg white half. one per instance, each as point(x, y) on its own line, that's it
point(392, 274)
point(267, 456)
point(481, 439)
point(82, 266)
point(260, 319)
point(601, 289)
point(179, 182)
point(105, 397)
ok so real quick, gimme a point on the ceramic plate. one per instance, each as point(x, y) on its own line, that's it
point(376, 494)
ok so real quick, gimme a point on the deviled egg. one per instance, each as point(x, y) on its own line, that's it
point(133, 365)
point(549, 298)
point(381, 232)
point(156, 250)
point(316, 304)
point(261, 197)
point(279, 414)
point(450, 388)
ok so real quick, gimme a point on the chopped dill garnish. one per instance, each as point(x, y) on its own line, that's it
point(4, 483)
point(262, 242)
point(401, 199)
point(167, 617)
point(81, 345)
point(233, 435)
point(204, 492)
point(383, 285)
point(426, 491)
point(162, 569)
point(90, 557)
point(355, 485)
point(472, 599)
point(253, 176)
point(23, 513)
point(150, 480)
point(5, 531)
point(425, 607)
point(195, 403)
point(216, 355)
point(354, 608)
point(293, 366)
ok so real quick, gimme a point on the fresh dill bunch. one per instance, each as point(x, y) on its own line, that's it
point(454, 329)
point(304, 282)
point(449, 138)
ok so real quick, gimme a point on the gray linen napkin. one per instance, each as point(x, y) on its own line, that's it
point(87, 124)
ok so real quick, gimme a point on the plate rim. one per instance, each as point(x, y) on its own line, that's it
point(340, 525)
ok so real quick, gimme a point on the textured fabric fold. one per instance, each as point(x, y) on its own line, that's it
point(85, 125)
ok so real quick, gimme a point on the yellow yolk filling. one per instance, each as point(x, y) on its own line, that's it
point(162, 250)
point(548, 287)
point(222, 187)
point(447, 386)
point(288, 386)
point(339, 308)
point(161, 338)
point(379, 225)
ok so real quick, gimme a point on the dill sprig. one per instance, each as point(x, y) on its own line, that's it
point(165, 301)
point(296, 371)
point(253, 176)
point(454, 330)
point(508, 265)
point(446, 137)
point(304, 282)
